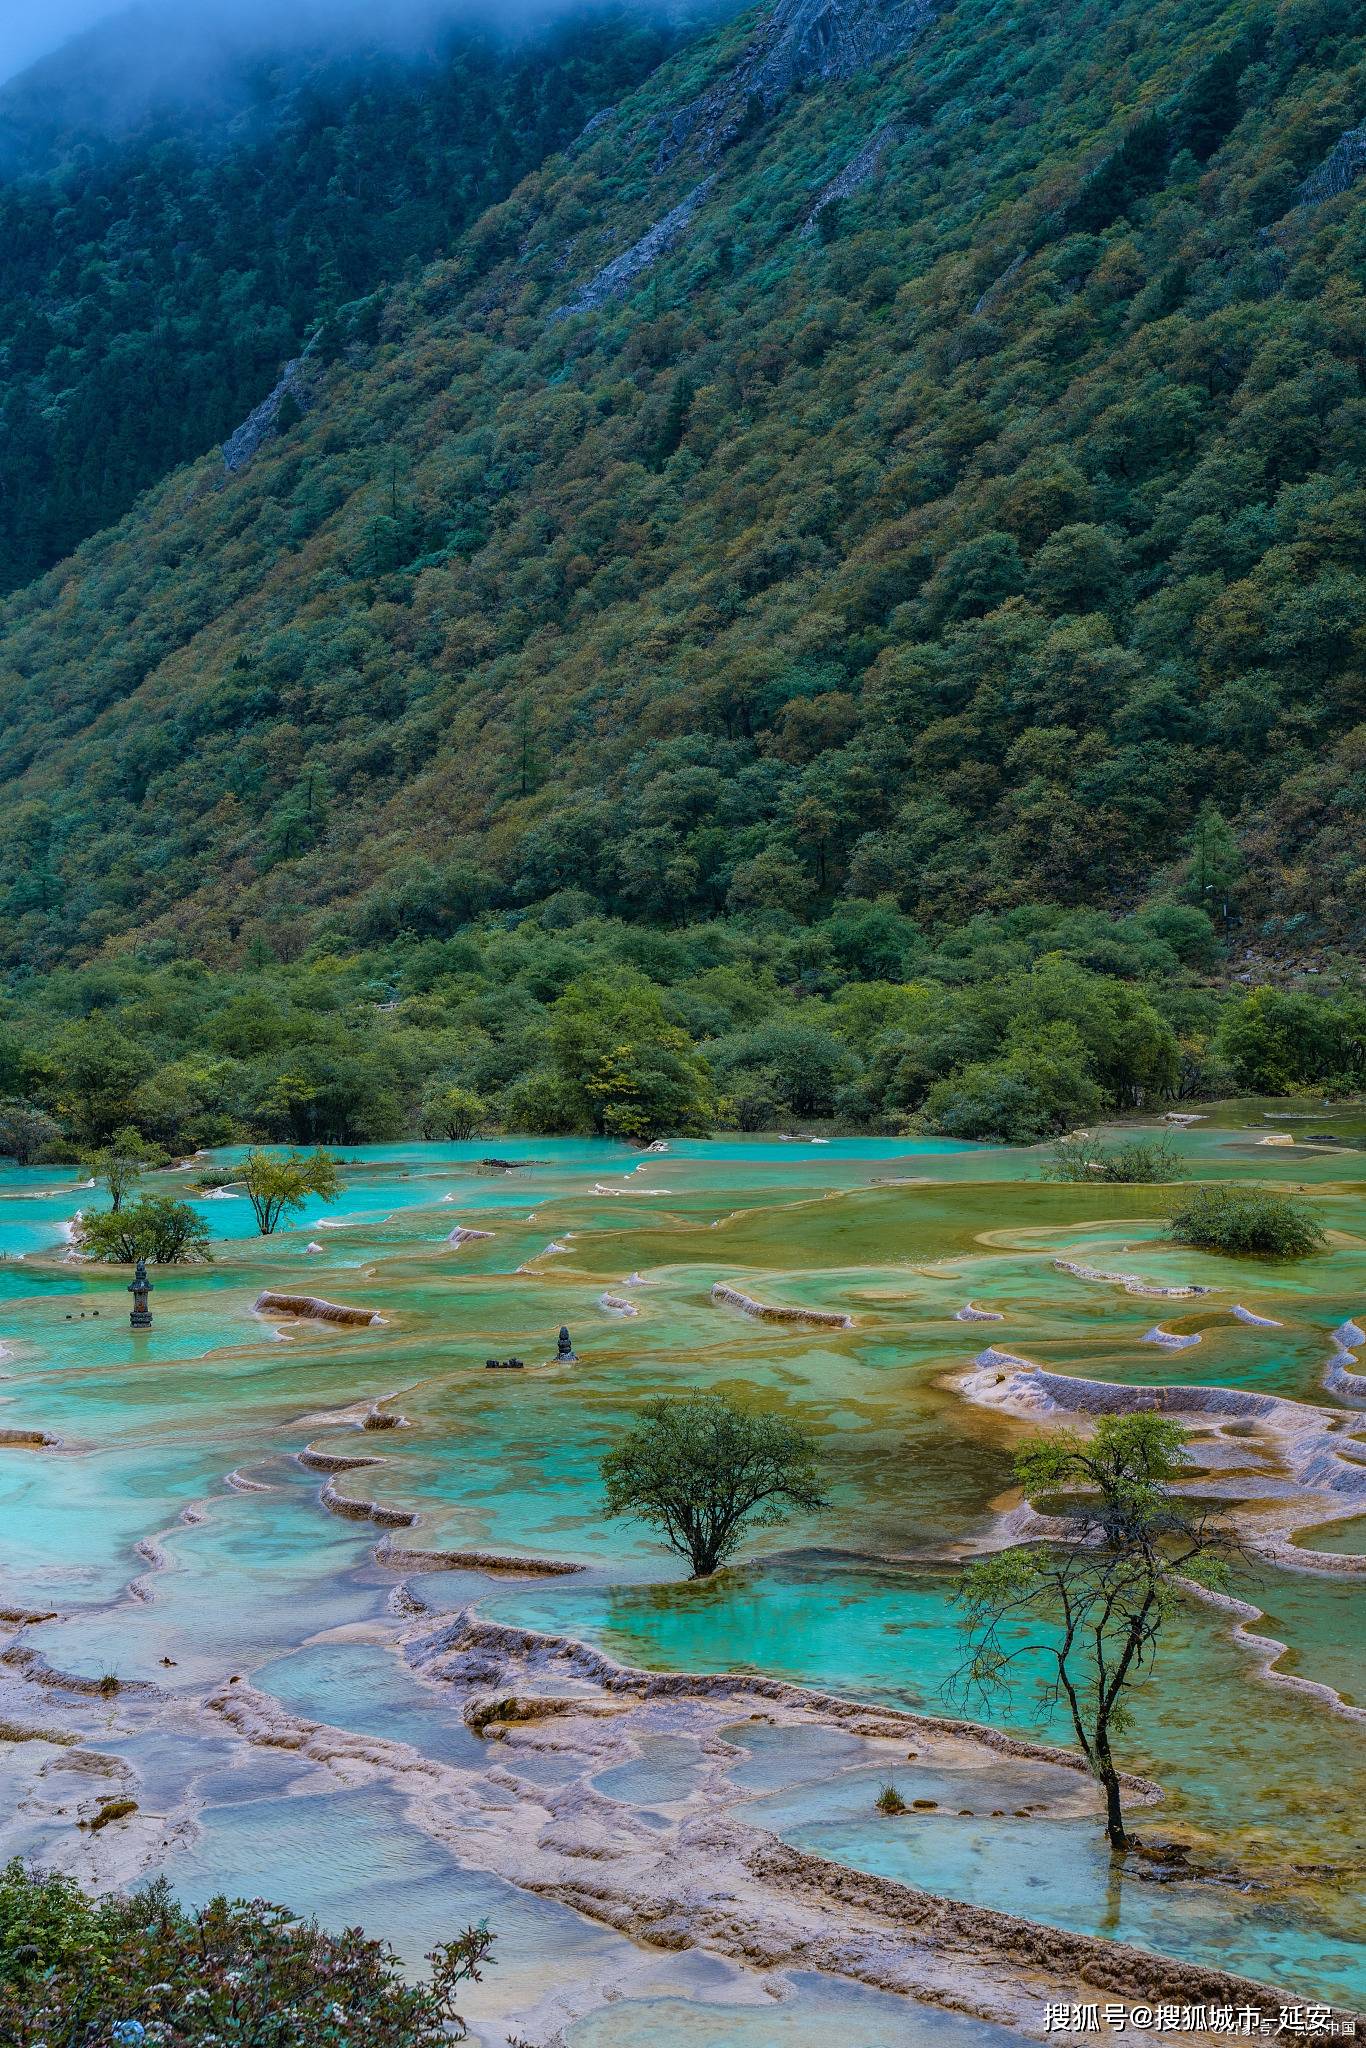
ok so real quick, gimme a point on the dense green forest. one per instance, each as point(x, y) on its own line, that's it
point(897, 658)
point(152, 282)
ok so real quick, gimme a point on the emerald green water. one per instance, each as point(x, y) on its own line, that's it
point(899, 1234)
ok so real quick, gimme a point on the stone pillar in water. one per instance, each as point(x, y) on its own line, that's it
point(140, 1287)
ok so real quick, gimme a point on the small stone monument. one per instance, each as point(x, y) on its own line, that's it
point(140, 1287)
point(566, 1354)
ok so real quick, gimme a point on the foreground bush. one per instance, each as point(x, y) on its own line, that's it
point(1246, 1220)
point(141, 1972)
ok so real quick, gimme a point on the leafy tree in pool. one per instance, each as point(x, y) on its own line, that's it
point(277, 1188)
point(702, 1471)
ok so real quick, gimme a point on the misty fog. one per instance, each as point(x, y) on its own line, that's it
point(173, 40)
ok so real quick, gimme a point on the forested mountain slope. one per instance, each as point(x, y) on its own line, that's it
point(892, 484)
point(176, 221)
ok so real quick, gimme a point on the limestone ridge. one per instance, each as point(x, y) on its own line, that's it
point(615, 277)
point(296, 380)
point(859, 171)
point(1341, 168)
point(800, 43)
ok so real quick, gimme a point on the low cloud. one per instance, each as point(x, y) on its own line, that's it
point(179, 34)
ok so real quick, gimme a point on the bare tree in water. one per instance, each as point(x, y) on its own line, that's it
point(1091, 1607)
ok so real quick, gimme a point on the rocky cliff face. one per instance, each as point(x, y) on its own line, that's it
point(615, 277)
point(859, 171)
point(801, 41)
point(1341, 168)
point(297, 380)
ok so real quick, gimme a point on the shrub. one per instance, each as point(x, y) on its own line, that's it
point(889, 1800)
point(1246, 1220)
point(1078, 1160)
point(113, 1809)
point(142, 1968)
point(452, 1113)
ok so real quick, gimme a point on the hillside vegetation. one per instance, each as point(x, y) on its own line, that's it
point(153, 278)
point(928, 623)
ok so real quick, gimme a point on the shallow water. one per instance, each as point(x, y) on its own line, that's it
point(898, 1234)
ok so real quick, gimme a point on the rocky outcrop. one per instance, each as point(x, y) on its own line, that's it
point(767, 1312)
point(801, 43)
point(614, 1305)
point(297, 380)
point(1317, 1469)
point(859, 171)
point(998, 287)
point(1340, 169)
point(312, 1306)
point(352, 1509)
point(396, 1559)
point(1340, 1375)
point(1130, 1282)
point(617, 276)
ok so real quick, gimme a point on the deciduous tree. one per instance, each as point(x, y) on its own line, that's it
point(702, 1471)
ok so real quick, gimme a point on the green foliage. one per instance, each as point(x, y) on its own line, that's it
point(890, 1801)
point(25, 1131)
point(620, 1068)
point(796, 1062)
point(155, 280)
point(1014, 1028)
point(1277, 1040)
point(277, 1187)
point(121, 1164)
point(890, 669)
point(140, 1966)
point(1038, 1089)
point(1246, 1220)
point(1084, 1615)
point(154, 1227)
point(452, 1112)
point(1081, 1159)
point(1004, 549)
point(702, 1471)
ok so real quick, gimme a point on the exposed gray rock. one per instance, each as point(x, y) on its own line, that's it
point(857, 172)
point(297, 381)
point(615, 277)
point(594, 126)
point(996, 289)
point(801, 41)
point(1342, 166)
point(1322, 1460)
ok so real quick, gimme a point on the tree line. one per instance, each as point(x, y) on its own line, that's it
point(1017, 1031)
